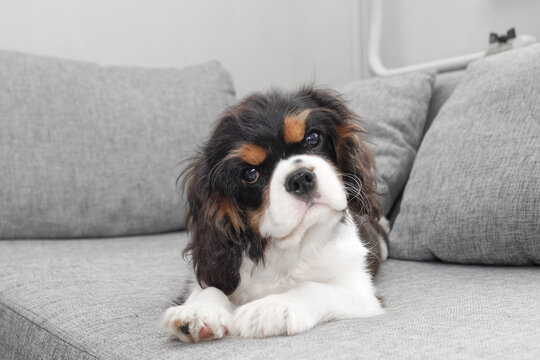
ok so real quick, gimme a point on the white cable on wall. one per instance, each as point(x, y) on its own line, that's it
point(374, 51)
point(443, 65)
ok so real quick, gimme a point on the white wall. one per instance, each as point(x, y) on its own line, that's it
point(416, 31)
point(262, 43)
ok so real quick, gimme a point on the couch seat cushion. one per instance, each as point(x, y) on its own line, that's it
point(102, 299)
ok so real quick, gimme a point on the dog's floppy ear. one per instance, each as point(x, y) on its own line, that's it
point(214, 226)
point(357, 164)
point(355, 160)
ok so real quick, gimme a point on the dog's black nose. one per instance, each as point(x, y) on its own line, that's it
point(301, 182)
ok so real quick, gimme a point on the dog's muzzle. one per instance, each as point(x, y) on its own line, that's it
point(301, 183)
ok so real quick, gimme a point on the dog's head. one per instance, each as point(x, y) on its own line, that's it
point(275, 166)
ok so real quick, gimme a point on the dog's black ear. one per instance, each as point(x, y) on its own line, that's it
point(357, 164)
point(215, 226)
point(355, 160)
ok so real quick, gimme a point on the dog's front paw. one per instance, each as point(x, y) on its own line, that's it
point(272, 315)
point(197, 322)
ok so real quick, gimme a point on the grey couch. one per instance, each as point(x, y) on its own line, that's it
point(100, 296)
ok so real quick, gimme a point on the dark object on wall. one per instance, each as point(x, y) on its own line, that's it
point(503, 42)
point(502, 39)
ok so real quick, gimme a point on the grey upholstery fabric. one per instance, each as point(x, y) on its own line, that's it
point(393, 112)
point(444, 86)
point(474, 191)
point(103, 298)
point(90, 150)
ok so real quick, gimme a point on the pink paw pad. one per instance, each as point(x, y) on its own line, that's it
point(205, 332)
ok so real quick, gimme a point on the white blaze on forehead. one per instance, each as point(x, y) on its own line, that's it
point(286, 212)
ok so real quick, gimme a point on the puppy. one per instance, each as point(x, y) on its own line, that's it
point(283, 220)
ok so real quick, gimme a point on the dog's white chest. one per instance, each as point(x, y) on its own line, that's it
point(321, 257)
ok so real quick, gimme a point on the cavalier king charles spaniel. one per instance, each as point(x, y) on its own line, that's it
point(284, 222)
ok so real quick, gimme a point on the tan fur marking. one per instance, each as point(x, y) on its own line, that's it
point(347, 133)
point(295, 127)
point(227, 209)
point(249, 153)
point(255, 217)
point(177, 324)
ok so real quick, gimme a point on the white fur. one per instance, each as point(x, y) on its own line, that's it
point(286, 212)
point(314, 266)
point(209, 307)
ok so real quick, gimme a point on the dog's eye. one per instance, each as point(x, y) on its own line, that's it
point(250, 176)
point(313, 138)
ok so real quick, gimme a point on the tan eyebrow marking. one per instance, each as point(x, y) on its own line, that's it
point(295, 127)
point(249, 153)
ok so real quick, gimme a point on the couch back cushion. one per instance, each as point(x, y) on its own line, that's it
point(90, 151)
point(393, 112)
point(474, 191)
point(444, 86)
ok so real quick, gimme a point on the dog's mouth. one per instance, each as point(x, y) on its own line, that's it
point(319, 199)
point(315, 212)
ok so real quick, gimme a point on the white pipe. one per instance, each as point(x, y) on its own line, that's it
point(374, 51)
